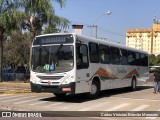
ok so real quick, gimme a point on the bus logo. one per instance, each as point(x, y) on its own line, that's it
point(49, 83)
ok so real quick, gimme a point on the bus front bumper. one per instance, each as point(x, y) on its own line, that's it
point(67, 88)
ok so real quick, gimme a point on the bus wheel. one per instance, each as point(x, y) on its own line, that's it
point(60, 95)
point(134, 84)
point(94, 89)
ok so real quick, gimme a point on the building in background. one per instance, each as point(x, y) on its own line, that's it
point(77, 28)
point(147, 39)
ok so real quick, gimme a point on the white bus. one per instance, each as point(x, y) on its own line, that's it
point(64, 63)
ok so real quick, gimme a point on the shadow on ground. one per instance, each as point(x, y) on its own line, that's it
point(79, 98)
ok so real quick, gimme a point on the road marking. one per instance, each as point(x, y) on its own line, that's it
point(134, 99)
point(69, 106)
point(4, 95)
point(11, 96)
point(26, 101)
point(140, 108)
point(94, 106)
point(18, 99)
point(117, 107)
point(38, 103)
point(53, 104)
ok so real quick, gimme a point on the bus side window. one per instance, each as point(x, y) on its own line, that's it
point(104, 53)
point(137, 59)
point(93, 52)
point(144, 60)
point(123, 53)
point(131, 59)
point(82, 56)
point(115, 55)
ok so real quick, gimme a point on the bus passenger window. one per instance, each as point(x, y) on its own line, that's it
point(137, 59)
point(104, 53)
point(82, 56)
point(123, 53)
point(115, 55)
point(144, 59)
point(131, 59)
point(93, 52)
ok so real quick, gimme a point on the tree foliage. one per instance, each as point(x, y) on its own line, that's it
point(154, 60)
point(16, 49)
point(19, 16)
point(41, 13)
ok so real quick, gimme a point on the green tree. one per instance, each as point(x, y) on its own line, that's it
point(9, 20)
point(40, 13)
point(152, 59)
point(16, 49)
point(29, 15)
point(157, 61)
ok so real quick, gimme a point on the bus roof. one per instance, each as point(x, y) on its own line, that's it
point(99, 41)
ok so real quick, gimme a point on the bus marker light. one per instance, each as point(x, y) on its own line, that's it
point(66, 89)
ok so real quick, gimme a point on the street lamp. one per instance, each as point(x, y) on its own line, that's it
point(107, 13)
point(93, 25)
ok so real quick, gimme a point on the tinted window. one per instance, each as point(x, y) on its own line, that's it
point(104, 54)
point(93, 53)
point(130, 58)
point(144, 60)
point(115, 55)
point(82, 56)
point(124, 57)
point(137, 59)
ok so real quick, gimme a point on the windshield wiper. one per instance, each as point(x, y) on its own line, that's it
point(59, 48)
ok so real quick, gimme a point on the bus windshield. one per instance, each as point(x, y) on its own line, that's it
point(52, 59)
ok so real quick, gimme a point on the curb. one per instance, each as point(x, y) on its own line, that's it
point(14, 88)
point(15, 92)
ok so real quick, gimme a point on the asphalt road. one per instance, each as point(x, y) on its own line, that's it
point(116, 100)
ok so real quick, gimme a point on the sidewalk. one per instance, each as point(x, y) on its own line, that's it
point(14, 87)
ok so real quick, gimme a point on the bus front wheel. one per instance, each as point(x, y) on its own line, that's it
point(94, 89)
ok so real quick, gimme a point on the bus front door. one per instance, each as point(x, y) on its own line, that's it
point(82, 72)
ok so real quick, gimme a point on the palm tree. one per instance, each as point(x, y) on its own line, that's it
point(9, 19)
point(41, 13)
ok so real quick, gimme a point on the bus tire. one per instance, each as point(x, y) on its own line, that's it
point(60, 95)
point(133, 84)
point(94, 90)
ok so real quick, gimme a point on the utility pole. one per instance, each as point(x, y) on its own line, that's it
point(95, 26)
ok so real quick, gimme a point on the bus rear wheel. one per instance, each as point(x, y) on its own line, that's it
point(60, 95)
point(94, 90)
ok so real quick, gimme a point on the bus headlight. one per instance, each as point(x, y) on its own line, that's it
point(34, 78)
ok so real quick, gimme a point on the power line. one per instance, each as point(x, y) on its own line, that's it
point(100, 29)
point(111, 32)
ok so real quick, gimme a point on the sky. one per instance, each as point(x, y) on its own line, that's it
point(125, 14)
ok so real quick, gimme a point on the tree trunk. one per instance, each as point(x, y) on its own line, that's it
point(33, 34)
point(1, 52)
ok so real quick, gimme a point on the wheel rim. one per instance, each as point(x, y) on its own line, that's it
point(93, 89)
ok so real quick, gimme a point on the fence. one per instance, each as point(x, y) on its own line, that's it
point(14, 76)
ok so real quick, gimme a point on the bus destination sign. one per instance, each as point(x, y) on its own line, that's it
point(43, 40)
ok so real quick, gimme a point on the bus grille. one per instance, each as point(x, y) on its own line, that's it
point(50, 77)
